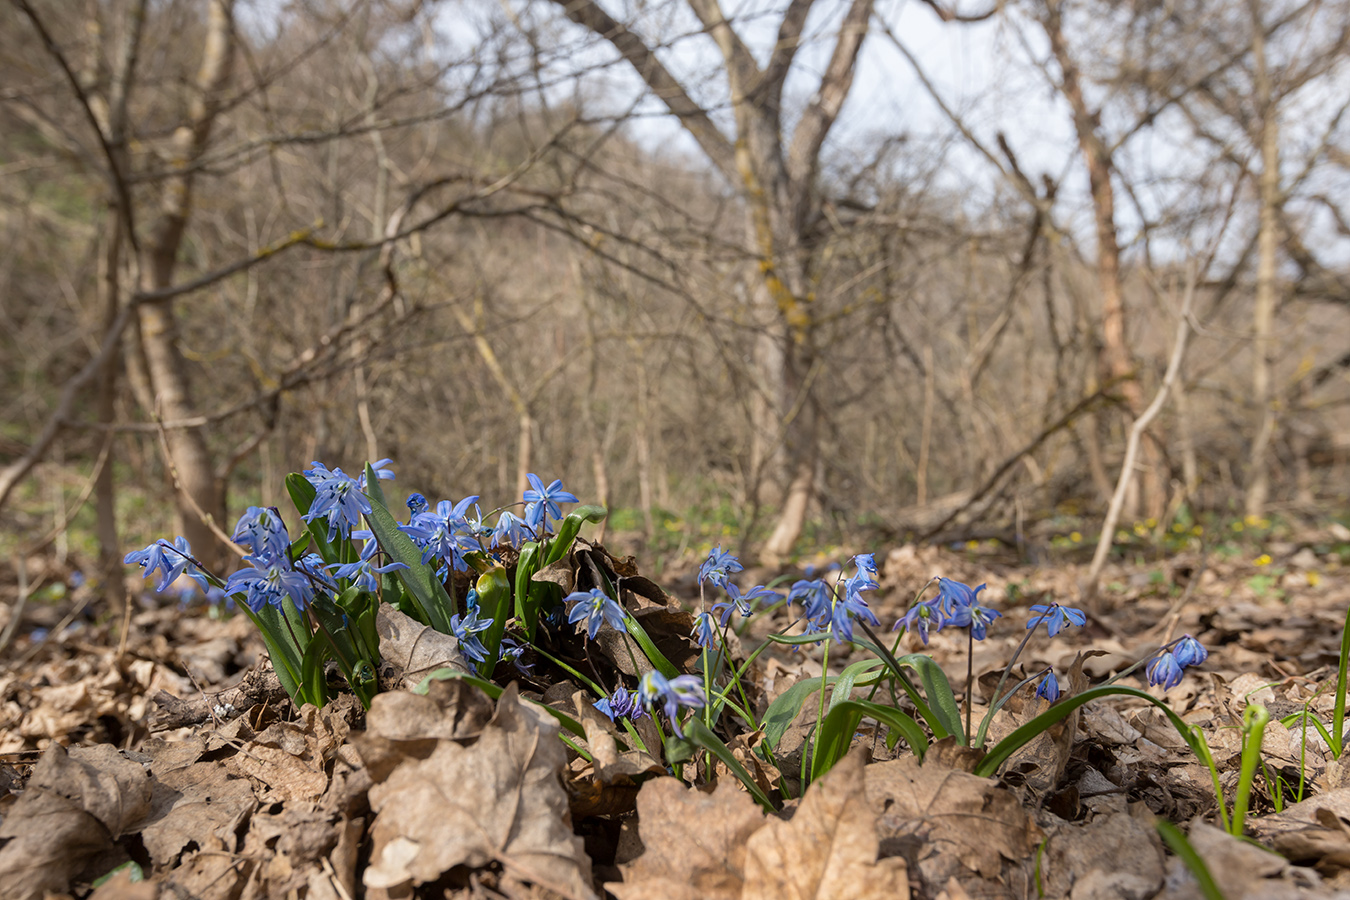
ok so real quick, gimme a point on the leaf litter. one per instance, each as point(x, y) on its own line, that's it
point(178, 756)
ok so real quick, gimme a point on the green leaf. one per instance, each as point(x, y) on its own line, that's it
point(494, 599)
point(314, 683)
point(135, 874)
point(494, 691)
point(835, 735)
point(939, 692)
point(698, 733)
point(561, 543)
point(527, 599)
point(281, 648)
point(854, 676)
point(998, 755)
point(302, 495)
point(433, 603)
point(786, 707)
point(798, 639)
point(654, 656)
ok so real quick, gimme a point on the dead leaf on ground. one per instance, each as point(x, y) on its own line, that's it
point(695, 843)
point(947, 823)
point(76, 804)
point(1113, 856)
point(416, 649)
point(828, 849)
point(499, 800)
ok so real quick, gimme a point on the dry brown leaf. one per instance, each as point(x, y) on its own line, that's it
point(498, 800)
point(287, 760)
point(695, 843)
point(50, 838)
point(414, 648)
point(1114, 856)
point(947, 822)
point(198, 804)
point(402, 725)
point(611, 765)
point(828, 849)
point(76, 803)
point(1241, 871)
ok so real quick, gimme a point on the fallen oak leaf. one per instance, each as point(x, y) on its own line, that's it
point(827, 850)
point(695, 843)
point(499, 800)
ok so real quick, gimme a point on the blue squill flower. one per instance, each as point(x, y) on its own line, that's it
point(338, 497)
point(867, 568)
point(718, 567)
point(976, 616)
point(622, 704)
point(923, 617)
point(1189, 652)
point(1049, 686)
point(170, 560)
point(953, 595)
point(510, 531)
point(1164, 670)
point(269, 583)
point(705, 631)
point(596, 609)
point(813, 595)
point(466, 629)
point(446, 534)
point(1056, 617)
point(263, 532)
point(540, 500)
point(671, 693)
point(416, 504)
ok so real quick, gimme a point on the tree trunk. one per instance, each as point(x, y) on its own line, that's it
point(200, 495)
point(1268, 244)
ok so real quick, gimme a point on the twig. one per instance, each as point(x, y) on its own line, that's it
point(1065, 420)
point(1088, 589)
point(21, 569)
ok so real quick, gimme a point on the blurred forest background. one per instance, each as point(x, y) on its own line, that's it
point(777, 273)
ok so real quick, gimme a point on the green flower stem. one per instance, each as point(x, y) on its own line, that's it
point(820, 714)
point(1254, 719)
point(1338, 710)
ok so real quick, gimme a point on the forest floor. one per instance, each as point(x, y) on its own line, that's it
point(230, 792)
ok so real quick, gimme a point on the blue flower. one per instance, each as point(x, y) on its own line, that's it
point(867, 567)
point(1189, 652)
point(362, 573)
point(1056, 617)
point(466, 629)
point(814, 596)
point(843, 610)
point(446, 534)
point(510, 531)
point(512, 651)
point(544, 499)
point(1049, 686)
point(416, 504)
point(596, 609)
point(382, 473)
point(1164, 670)
point(976, 616)
point(923, 617)
point(671, 693)
point(705, 632)
point(170, 560)
point(622, 704)
point(953, 594)
point(262, 531)
point(719, 566)
point(339, 497)
point(268, 582)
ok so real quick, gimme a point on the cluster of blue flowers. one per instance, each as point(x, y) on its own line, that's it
point(956, 604)
point(1165, 669)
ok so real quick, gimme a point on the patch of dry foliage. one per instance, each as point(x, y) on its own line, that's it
point(234, 794)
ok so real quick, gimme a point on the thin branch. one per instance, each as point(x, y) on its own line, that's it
point(1107, 536)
